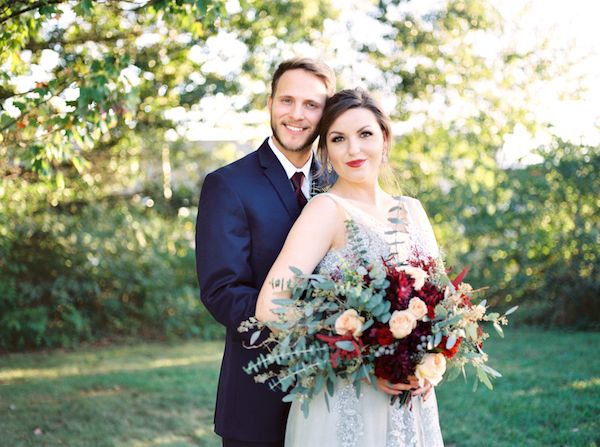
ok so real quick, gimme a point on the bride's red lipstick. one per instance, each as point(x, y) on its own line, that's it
point(356, 163)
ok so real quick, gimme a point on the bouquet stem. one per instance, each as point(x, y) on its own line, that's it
point(401, 398)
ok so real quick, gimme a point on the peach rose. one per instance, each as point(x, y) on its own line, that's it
point(432, 368)
point(416, 273)
point(402, 323)
point(418, 307)
point(349, 322)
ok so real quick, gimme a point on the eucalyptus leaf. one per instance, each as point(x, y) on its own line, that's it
point(452, 374)
point(330, 386)
point(471, 330)
point(499, 330)
point(254, 337)
point(437, 339)
point(367, 325)
point(296, 271)
point(491, 371)
point(305, 403)
point(483, 377)
point(283, 301)
point(279, 310)
point(346, 345)
point(440, 311)
point(326, 397)
point(325, 285)
point(451, 341)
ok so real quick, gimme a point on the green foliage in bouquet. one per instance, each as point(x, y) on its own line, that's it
point(309, 362)
point(371, 319)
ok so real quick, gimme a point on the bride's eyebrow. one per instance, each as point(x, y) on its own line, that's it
point(334, 132)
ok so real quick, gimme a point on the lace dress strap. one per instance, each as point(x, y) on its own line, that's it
point(360, 216)
point(420, 230)
point(342, 203)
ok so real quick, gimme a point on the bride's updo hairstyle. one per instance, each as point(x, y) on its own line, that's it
point(341, 102)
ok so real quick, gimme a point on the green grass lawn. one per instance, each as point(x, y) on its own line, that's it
point(163, 395)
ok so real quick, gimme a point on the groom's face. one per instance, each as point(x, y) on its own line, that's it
point(296, 109)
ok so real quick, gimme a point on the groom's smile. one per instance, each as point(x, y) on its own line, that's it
point(295, 129)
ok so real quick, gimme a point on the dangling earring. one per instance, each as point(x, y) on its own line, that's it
point(384, 157)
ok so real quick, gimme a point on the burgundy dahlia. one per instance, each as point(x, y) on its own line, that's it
point(396, 367)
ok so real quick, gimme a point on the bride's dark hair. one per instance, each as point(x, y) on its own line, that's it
point(341, 102)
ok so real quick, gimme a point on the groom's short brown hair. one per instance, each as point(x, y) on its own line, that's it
point(318, 68)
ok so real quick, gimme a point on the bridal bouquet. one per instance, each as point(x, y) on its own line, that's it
point(366, 320)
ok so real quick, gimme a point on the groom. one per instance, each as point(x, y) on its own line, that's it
point(245, 212)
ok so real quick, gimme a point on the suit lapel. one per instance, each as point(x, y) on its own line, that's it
point(278, 178)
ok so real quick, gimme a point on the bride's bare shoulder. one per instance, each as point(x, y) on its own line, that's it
point(324, 206)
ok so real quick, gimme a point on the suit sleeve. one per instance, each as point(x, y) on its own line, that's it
point(223, 243)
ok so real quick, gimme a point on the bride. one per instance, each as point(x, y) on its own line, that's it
point(354, 139)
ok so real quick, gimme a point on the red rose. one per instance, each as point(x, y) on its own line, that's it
point(384, 336)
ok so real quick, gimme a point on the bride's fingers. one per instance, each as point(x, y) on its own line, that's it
point(424, 390)
point(428, 393)
point(400, 386)
point(390, 388)
point(414, 382)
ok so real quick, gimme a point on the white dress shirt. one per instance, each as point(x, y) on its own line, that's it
point(290, 169)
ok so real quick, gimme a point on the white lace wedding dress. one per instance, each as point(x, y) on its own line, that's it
point(369, 420)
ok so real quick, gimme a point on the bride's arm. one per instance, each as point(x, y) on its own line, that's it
point(319, 227)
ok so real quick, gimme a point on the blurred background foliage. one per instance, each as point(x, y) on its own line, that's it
point(99, 183)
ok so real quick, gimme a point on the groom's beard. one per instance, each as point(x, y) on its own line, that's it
point(303, 147)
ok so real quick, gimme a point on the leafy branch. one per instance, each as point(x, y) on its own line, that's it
point(7, 13)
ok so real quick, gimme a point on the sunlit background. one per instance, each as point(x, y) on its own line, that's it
point(113, 112)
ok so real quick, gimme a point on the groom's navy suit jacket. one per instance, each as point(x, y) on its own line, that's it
point(245, 212)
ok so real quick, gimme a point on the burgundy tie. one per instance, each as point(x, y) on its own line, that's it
point(297, 180)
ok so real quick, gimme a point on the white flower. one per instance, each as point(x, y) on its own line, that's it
point(416, 273)
point(418, 307)
point(432, 368)
point(402, 323)
point(349, 322)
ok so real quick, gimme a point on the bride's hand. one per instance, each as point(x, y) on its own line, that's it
point(396, 388)
point(424, 391)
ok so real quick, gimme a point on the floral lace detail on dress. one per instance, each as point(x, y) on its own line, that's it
point(430, 426)
point(349, 422)
point(375, 237)
point(401, 432)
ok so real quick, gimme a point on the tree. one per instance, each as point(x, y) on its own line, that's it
point(94, 242)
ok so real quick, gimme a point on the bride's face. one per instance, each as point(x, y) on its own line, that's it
point(355, 145)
